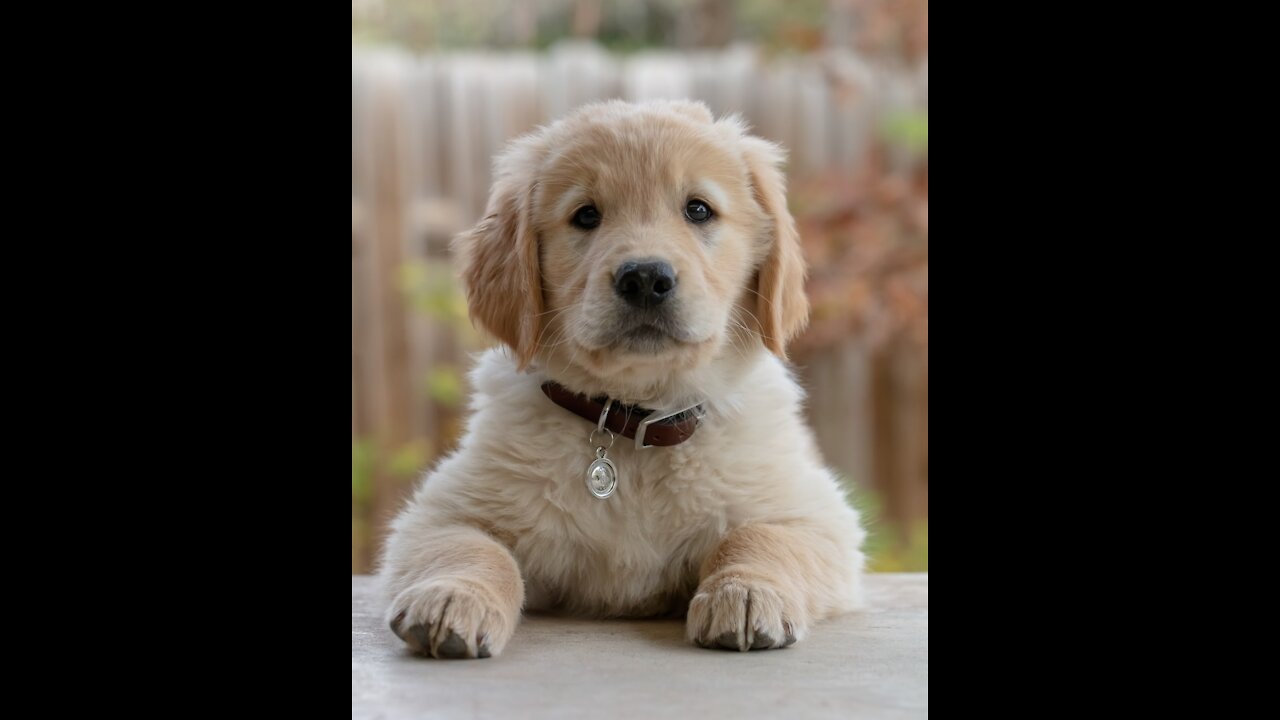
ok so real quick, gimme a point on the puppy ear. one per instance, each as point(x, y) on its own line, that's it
point(782, 305)
point(499, 256)
point(693, 110)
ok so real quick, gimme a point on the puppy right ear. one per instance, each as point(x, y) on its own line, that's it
point(694, 110)
point(783, 306)
point(499, 256)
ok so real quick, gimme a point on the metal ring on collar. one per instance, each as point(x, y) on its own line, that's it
point(592, 440)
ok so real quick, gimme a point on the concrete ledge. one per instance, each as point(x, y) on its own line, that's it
point(873, 664)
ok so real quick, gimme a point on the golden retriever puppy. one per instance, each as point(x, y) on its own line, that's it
point(637, 448)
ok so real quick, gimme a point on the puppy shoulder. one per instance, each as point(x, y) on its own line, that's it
point(507, 406)
point(774, 384)
point(497, 381)
point(503, 402)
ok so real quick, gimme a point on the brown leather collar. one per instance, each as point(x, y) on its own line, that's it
point(629, 420)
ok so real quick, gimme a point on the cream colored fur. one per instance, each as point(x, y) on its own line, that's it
point(742, 527)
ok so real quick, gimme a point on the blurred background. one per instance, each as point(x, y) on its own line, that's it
point(437, 88)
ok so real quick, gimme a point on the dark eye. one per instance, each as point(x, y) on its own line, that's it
point(698, 212)
point(587, 218)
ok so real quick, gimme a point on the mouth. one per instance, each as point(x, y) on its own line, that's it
point(650, 333)
point(646, 339)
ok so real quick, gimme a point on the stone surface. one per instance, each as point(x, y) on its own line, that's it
point(872, 664)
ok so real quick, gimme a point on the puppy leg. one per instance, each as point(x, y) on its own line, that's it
point(455, 592)
point(764, 585)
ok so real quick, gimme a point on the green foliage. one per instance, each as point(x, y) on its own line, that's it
point(909, 554)
point(445, 385)
point(782, 26)
point(620, 25)
point(890, 548)
point(908, 130)
point(359, 540)
point(408, 461)
point(362, 464)
point(362, 467)
point(432, 290)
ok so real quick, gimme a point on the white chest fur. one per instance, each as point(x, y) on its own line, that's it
point(637, 552)
point(521, 474)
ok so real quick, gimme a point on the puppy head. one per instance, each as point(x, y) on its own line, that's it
point(637, 240)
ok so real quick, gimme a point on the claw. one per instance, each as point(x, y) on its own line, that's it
point(395, 624)
point(729, 641)
point(452, 647)
point(422, 636)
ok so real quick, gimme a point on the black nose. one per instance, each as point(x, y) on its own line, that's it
point(645, 284)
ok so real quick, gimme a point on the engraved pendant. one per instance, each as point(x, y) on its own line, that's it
point(602, 476)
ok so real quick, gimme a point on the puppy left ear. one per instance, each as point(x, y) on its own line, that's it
point(500, 264)
point(782, 304)
point(692, 110)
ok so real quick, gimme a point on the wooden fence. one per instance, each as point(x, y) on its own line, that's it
point(423, 134)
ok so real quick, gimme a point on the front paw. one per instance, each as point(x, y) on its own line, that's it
point(451, 619)
point(736, 612)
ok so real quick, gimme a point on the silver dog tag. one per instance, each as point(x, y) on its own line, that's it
point(602, 475)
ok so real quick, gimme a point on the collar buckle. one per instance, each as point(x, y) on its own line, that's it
point(642, 429)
